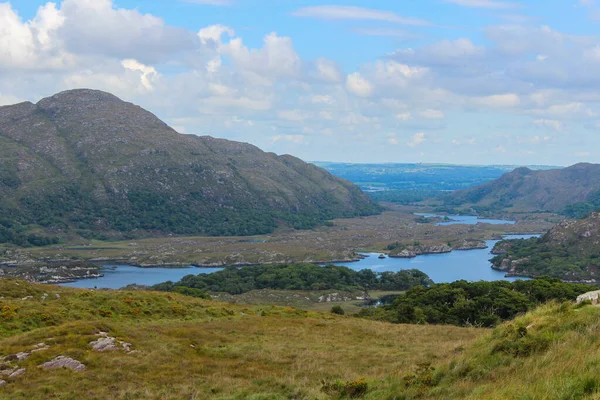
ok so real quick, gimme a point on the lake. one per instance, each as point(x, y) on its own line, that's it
point(117, 276)
point(466, 220)
point(471, 265)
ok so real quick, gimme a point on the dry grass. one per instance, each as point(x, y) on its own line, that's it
point(196, 349)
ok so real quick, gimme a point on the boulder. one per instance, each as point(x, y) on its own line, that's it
point(63, 362)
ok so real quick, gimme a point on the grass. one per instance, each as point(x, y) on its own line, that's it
point(197, 349)
point(200, 349)
point(552, 352)
point(303, 299)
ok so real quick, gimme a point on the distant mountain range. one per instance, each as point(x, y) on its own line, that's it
point(419, 176)
point(84, 162)
point(574, 191)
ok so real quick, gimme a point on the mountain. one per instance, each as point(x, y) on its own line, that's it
point(570, 251)
point(84, 161)
point(574, 190)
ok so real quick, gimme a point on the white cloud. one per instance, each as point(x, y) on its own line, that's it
point(98, 28)
point(358, 85)
point(214, 33)
point(416, 139)
point(432, 114)
point(507, 100)
point(148, 73)
point(403, 116)
point(322, 99)
point(328, 71)
point(277, 58)
point(549, 123)
point(356, 13)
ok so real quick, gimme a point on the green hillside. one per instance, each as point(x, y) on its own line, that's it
point(85, 163)
point(573, 191)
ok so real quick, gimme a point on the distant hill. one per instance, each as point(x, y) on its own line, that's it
point(419, 176)
point(85, 162)
point(574, 191)
point(570, 251)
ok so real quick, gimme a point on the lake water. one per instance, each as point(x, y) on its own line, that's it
point(466, 220)
point(117, 276)
point(470, 265)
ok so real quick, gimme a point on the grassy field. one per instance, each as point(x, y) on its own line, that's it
point(306, 300)
point(198, 349)
point(186, 348)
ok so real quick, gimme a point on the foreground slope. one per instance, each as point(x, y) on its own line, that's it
point(181, 347)
point(84, 159)
point(550, 353)
point(525, 190)
point(172, 347)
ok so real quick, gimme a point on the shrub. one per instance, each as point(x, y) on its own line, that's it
point(353, 389)
point(337, 310)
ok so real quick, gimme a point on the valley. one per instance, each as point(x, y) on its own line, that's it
point(340, 242)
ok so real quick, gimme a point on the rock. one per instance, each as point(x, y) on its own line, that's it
point(63, 362)
point(57, 296)
point(107, 343)
point(2, 383)
point(591, 296)
point(18, 372)
point(104, 344)
point(40, 347)
point(22, 356)
point(27, 298)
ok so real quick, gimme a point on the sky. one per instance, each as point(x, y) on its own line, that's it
point(451, 81)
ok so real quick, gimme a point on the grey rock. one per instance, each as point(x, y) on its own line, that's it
point(64, 362)
point(104, 344)
point(18, 372)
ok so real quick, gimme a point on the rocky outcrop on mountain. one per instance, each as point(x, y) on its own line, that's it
point(87, 163)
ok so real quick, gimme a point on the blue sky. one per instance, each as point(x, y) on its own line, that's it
point(458, 81)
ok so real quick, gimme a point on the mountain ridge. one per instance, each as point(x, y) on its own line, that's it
point(86, 160)
point(525, 190)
